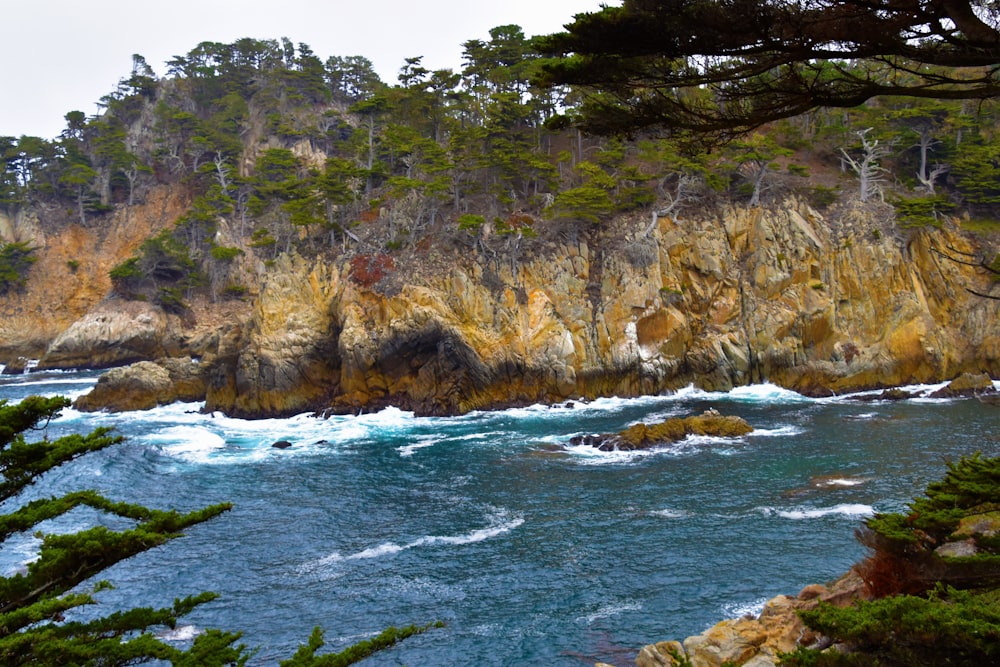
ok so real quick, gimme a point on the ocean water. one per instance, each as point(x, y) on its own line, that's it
point(531, 552)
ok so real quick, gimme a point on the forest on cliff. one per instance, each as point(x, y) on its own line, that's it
point(277, 150)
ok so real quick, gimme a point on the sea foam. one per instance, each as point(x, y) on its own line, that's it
point(392, 548)
point(846, 509)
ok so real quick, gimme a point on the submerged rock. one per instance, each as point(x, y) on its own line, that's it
point(644, 436)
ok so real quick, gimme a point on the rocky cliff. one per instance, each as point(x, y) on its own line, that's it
point(817, 303)
point(782, 295)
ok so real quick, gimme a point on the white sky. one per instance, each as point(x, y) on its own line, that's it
point(64, 55)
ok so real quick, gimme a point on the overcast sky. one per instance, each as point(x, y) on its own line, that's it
point(64, 55)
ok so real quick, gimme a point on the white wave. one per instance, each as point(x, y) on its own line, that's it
point(421, 443)
point(668, 513)
point(755, 393)
point(386, 549)
point(919, 392)
point(777, 432)
point(193, 435)
point(609, 610)
point(846, 509)
point(189, 443)
point(826, 482)
point(48, 381)
point(741, 609)
point(863, 417)
point(391, 548)
point(690, 445)
point(184, 633)
point(767, 393)
point(587, 455)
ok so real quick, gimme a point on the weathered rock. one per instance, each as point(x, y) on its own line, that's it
point(754, 642)
point(986, 524)
point(118, 332)
point(144, 385)
point(644, 436)
point(71, 275)
point(966, 384)
point(662, 654)
point(281, 444)
point(751, 295)
point(960, 549)
point(894, 394)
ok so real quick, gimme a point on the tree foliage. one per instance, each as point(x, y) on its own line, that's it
point(929, 607)
point(15, 260)
point(726, 66)
point(273, 150)
point(37, 605)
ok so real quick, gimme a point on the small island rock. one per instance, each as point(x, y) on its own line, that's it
point(644, 436)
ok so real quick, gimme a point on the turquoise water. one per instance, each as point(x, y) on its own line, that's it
point(531, 552)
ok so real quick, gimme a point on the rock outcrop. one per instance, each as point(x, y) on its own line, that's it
point(144, 385)
point(71, 276)
point(753, 641)
point(967, 384)
point(816, 304)
point(782, 295)
point(644, 436)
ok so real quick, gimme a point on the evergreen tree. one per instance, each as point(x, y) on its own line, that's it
point(726, 66)
point(35, 603)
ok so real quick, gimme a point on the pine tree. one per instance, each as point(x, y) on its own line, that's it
point(34, 604)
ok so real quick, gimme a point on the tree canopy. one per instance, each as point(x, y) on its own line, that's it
point(721, 67)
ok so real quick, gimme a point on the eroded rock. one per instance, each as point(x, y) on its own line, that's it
point(754, 641)
point(644, 436)
point(143, 386)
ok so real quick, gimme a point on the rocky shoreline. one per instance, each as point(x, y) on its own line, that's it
point(754, 641)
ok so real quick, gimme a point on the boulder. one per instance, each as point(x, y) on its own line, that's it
point(754, 641)
point(143, 386)
point(966, 384)
point(116, 332)
point(644, 436)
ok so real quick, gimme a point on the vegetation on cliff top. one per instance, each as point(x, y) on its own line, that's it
point(277, 150)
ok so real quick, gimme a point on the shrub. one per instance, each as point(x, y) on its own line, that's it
point(921, 211)
point(928, 608)
point(946, 627)
point(225, 254)
point(471, 221)
point(15, 260)
point(821, 197)
point(366, 270)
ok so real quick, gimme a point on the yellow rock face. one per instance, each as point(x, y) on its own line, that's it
point(779, 295)
point(761, 296)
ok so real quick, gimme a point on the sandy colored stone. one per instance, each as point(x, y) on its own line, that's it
point(779, 295)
